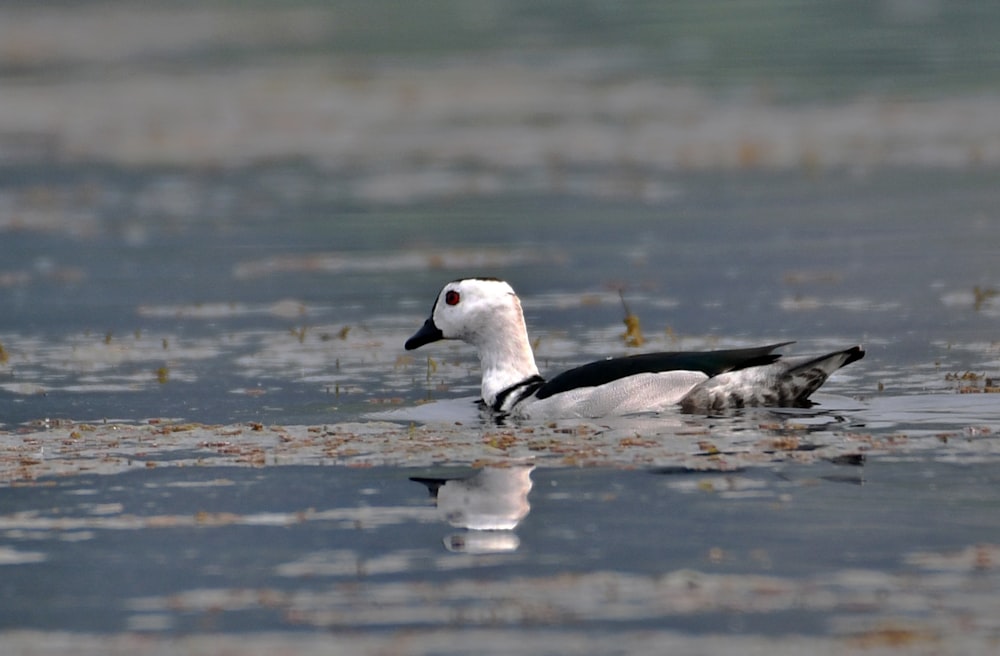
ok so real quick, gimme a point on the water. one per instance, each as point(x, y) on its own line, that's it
point(209, 429)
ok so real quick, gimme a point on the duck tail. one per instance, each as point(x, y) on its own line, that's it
point(786, 383)
point(804, 378)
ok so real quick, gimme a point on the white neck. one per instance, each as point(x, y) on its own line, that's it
point(505, 353)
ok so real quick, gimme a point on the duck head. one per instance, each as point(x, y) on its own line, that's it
point(486, 313)
point(472, 310)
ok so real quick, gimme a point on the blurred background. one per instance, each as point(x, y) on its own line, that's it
point(406, 101)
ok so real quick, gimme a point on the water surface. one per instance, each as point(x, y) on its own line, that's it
point(210, 435)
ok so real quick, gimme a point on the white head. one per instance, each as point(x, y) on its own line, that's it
point(470, 309)
point(486, 313)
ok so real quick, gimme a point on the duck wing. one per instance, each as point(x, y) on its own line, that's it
point(711, 363)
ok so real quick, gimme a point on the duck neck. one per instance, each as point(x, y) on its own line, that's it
point(506, 358)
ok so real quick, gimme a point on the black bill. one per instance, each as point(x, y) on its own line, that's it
point(428, 333)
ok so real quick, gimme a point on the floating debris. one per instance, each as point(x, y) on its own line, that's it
point(633, 332)
point(655, 441)
point(981, 296)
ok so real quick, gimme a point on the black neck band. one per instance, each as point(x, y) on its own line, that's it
point(525, 388)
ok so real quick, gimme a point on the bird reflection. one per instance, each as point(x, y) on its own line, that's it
point(489, 504)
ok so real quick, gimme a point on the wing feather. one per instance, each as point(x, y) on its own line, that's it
point(711, 363)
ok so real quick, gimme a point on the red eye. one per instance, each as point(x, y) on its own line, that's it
point(452, 297)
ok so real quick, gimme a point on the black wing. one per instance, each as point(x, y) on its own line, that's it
point(711, 363)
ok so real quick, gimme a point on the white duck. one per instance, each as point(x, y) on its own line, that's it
point(486, 313)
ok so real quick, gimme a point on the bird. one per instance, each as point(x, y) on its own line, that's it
point(486, 313)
